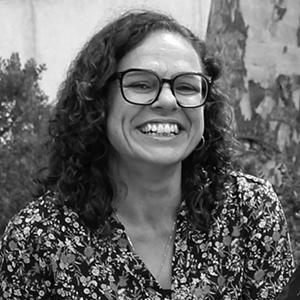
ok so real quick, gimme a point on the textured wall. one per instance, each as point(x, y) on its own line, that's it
point(259, 43)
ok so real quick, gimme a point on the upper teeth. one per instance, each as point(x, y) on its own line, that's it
point(160, 128)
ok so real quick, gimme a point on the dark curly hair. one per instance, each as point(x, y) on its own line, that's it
point(78, 162)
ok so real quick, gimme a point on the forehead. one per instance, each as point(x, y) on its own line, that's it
point(163, 51)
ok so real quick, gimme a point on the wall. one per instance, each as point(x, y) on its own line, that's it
point(52, 31)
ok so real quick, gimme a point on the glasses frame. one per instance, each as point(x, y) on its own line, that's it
point(120, 76)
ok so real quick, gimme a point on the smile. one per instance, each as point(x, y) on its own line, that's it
point(160, 129)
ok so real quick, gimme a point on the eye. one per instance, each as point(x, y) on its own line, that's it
point(140, 86)
point(140, 82)
point(187, 88)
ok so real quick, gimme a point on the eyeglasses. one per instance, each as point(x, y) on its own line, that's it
point(142, 87)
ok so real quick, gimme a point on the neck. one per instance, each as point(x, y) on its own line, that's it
point(147, 194)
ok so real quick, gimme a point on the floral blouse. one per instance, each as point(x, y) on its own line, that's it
point(46, 252)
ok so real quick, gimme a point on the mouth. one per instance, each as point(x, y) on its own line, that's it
point(161, 129)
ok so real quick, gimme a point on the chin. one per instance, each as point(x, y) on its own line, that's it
point(164, 159)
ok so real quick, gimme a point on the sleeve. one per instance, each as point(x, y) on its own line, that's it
point(269, 261)
point(24, 273)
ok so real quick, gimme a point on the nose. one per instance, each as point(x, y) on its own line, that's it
point(166, 99)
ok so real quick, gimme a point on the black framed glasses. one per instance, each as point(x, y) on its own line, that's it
point(142, 87)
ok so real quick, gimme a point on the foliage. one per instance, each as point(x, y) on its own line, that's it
point(23, 114)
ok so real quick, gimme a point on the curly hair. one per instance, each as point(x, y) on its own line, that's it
point(78, 168)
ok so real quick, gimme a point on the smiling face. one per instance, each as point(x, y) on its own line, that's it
point(162, 133)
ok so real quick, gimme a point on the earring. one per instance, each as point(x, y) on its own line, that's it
point(201, 144)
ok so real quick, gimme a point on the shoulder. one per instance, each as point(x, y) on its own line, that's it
point(246, 181)
point(36, 213)
point(40, 221)
point(257, 200)
point(253, 196)
point(33, 247)
point(249, 186)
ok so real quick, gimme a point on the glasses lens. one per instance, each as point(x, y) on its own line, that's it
point(140, 86)
point(190, 89)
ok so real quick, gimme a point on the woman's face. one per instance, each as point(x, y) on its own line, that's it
point(131, 128)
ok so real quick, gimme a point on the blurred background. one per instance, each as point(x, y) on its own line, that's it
point(257, 41)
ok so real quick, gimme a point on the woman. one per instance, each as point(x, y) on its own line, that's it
point(141, 200)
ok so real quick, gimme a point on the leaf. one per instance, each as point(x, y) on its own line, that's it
point(221, 281)
point(259, 275)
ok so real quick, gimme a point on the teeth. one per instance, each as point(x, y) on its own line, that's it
point(165, 129)
point(160, 128)
point(174, 128)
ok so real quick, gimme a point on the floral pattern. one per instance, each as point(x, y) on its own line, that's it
point(292, 289)
point(46, 252)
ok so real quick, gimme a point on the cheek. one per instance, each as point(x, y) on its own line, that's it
point(119, 118)
point(197, 119)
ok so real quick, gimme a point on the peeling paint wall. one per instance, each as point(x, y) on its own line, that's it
point(272, 47)
point(258, 41)
point(272, 81)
